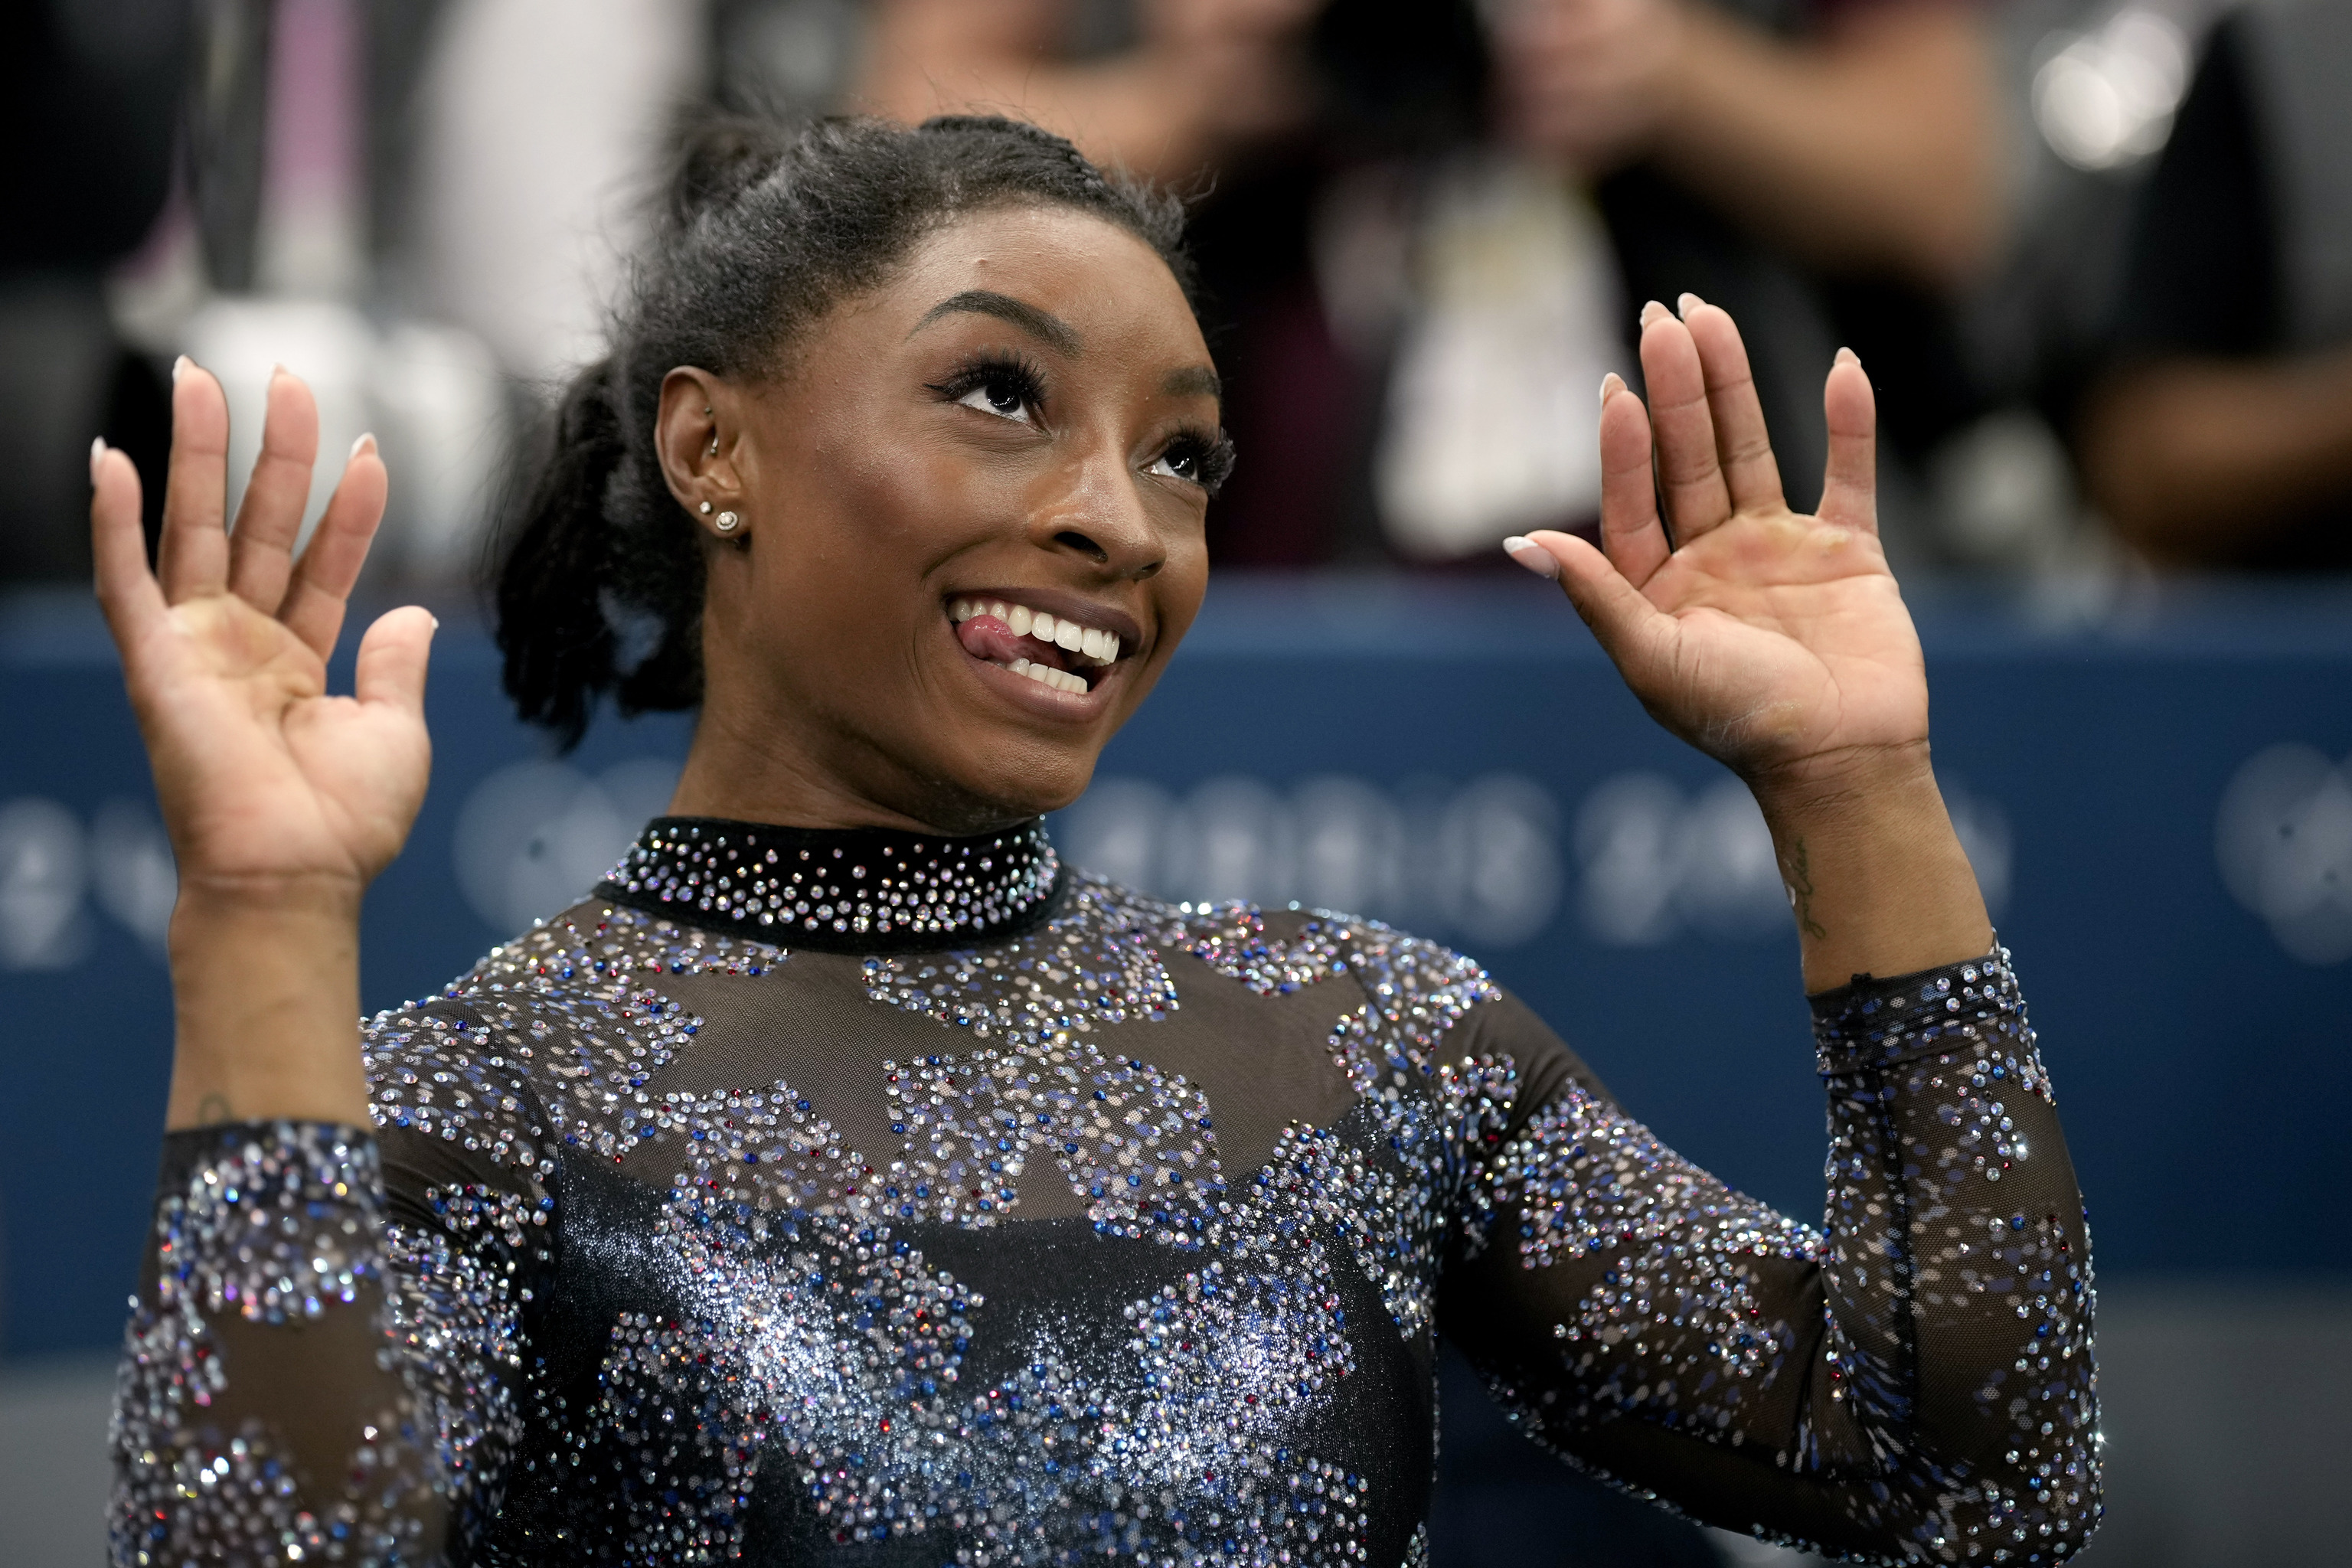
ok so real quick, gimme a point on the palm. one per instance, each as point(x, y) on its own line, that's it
point(264, 778)
point(1768, 639)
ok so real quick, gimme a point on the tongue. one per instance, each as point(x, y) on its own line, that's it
point(985, 637)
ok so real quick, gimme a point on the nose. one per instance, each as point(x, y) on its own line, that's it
point(1098, 514)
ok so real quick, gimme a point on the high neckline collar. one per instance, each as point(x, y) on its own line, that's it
point(855, 889)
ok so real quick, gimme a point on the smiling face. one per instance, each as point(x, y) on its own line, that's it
point(970, 512)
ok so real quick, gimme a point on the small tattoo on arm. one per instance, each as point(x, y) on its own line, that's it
point(1800, 877)
point(214, 1107)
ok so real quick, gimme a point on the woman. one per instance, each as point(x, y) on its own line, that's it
point(846, 1179)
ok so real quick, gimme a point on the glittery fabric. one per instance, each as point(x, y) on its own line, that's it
point(1097, 1226)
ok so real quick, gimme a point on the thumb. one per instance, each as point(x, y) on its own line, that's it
point(392, 658)
point(1629, 628)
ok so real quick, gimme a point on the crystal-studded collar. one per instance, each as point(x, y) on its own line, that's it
point(858, 889)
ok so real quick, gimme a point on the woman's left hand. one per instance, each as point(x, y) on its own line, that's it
point(1773, 641)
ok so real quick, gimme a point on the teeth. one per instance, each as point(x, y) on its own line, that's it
point(1046, 675)
point(1089, 643)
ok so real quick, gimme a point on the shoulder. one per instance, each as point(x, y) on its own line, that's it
point(546, 1035)
point(1423, 1005)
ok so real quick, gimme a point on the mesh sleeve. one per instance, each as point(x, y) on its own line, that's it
point(323, 1362)
point(1910, 1384)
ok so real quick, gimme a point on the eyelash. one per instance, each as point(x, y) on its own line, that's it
point(994, 367)
point(1212, 452)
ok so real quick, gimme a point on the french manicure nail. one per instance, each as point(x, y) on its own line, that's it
point(1532, 555)
point(366, 443)
point(1611, 385)
point(1847, 356)
point(1686, 304)
point(97, 456)
point(434, 619)
point(180, 367)
point(1653, 311)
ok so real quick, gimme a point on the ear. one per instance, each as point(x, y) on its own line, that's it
point(696, 433)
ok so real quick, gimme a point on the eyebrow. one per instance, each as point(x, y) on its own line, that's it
point(1043, 325)
point(1193, 380)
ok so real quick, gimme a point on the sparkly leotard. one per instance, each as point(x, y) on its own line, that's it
point(855, 1198)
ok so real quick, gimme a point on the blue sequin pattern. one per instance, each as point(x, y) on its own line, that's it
point(1128, 1232)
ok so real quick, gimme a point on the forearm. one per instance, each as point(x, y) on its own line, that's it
point(2194, 460)
point(1875, 148)
point(266, 1003)
point(1877, 878)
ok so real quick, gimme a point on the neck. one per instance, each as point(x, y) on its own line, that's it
point(769, 773)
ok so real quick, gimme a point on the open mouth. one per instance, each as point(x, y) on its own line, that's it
point(1056, 651)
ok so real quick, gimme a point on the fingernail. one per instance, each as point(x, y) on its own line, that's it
point(97, 456)
point(1611, 385)
point(1532, 555)
point(180, 367)
point(366, 443)
point(1847, 356)
point(277, 370)
point(1686, 304)
point(434, 619)
point(1653, 311)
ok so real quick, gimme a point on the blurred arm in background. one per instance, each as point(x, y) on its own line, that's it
point(1201, 77)
point(2216, 440)
point(1872, 147)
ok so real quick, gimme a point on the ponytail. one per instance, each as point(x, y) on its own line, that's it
point(576, 578)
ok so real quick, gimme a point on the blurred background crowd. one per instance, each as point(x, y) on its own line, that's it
point(2097, 254)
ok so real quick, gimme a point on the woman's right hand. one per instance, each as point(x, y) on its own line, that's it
point(281, 801)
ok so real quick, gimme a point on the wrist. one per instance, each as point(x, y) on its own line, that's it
point(1847, 785)
point(266, 1004)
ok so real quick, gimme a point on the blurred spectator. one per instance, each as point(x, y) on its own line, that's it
point(2224, 435)
point(1431, 225)
point(87, 96)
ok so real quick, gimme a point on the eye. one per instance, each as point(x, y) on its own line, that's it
point(1181, 461)
point(1001, 395)
point(1196, 459)
point(1008, 388)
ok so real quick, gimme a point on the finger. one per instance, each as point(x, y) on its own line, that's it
point(1631, 534)
point(1850, 479)
point(127, 589)
point(315, 600)
point(270, 518)
point(192, 557)
point(1742, 445)
point(392, 658)
point(1696, 499)
point(1629, 629)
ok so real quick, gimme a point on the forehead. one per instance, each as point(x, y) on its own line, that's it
point(1102, 281)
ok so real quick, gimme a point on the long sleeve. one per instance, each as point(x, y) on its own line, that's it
point(323, 1361)
point(1911, 1383)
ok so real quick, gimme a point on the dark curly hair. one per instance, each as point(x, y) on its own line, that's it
point(763, 227)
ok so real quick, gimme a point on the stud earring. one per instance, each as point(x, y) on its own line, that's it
point(704, 509)
point(726, 522)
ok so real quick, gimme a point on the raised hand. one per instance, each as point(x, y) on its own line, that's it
point(282, 802)
point(1774, 641)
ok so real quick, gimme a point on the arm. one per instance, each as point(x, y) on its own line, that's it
point(1916, 1375)
point(1206, 76)
point(2195, 459)
point(1872, 148)
point(279, 1382)
point(1892, 1373)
